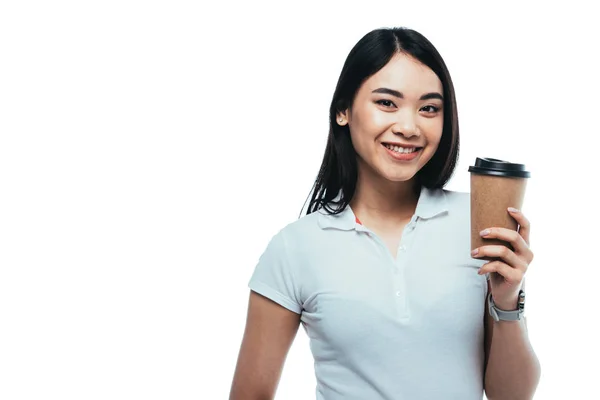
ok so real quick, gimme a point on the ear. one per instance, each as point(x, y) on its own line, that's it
point(341, 118)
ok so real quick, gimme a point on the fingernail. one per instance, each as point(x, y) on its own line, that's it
point(474, 252)
point(484, 232)
point(479, 271)
point(514, 210)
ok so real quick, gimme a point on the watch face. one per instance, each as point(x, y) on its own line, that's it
point(521, 300)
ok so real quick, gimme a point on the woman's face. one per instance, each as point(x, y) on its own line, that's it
point(400, 105)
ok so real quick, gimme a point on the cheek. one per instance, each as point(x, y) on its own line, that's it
point(434, 131)
point(358, 139)
point(377, 121)
point(369, 119)
point(362, 130)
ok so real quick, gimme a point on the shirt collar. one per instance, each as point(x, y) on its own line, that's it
point(431, 203)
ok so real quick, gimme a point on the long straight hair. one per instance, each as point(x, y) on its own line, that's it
point(339, 170)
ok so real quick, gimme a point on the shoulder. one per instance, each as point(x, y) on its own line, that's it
point(456, 198)
point(282, 247)
point(441, 201)
point(305, 226)
point(313, 235)
point(457, 215)
point(459, 203)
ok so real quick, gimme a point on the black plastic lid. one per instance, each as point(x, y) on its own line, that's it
point(491, 166)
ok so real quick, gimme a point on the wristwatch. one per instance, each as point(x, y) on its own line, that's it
point(503, 315)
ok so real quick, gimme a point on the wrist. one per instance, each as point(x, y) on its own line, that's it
point(506, 310)
point(507, 305)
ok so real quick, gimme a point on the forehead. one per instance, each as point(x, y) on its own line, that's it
point(407, 75)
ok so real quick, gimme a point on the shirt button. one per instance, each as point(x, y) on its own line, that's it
point(398, 293)
point(402, 248)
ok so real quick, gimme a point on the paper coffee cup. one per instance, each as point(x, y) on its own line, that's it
point(495, 186)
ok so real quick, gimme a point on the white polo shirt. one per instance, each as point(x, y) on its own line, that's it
point(379, 328)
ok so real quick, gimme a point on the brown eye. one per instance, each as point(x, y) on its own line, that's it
point(430, 109)
point(385, 103)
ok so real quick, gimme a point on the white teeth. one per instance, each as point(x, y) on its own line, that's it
point(399, 149)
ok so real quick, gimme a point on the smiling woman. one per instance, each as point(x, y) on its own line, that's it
point(379, 270)
point(394, 90)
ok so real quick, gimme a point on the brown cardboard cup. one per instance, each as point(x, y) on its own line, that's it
point(495, 186)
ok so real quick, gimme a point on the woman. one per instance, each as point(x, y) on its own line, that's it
point(379, 272)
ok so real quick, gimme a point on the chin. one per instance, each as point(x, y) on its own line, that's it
point(398, 176)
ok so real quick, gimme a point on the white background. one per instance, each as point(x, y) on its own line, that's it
point(149, 150)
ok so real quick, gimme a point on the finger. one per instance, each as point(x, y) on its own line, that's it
point(511, 276)
point(524, 224)
point(505, 254)
point(508, 235)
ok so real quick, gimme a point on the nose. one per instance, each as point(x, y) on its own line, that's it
point(406, 125)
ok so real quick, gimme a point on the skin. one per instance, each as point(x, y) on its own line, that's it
point(385, 200)
point(269, 334)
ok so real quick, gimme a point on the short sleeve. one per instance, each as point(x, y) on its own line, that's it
point(273, 276)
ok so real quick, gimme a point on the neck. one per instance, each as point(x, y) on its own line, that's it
point(381, 202)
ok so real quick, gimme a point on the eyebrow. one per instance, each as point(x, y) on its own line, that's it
point(426, 96)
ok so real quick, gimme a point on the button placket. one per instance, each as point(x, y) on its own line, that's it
point(399, 285)
point(399, 270)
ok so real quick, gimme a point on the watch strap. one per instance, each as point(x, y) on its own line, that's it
point(503, 315)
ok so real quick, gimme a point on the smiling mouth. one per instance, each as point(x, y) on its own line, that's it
point(401, 150)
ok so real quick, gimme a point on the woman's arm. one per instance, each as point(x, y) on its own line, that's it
point(512, 370)
point(269, 334)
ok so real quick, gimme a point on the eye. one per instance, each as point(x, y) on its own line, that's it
point(386, 103)
point(431, 109)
